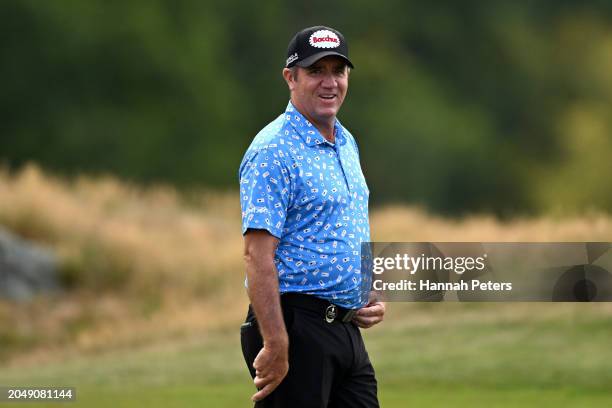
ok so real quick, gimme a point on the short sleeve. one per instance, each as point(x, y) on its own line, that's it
point(264, 192)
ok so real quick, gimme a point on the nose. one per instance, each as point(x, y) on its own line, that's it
point(328, 81)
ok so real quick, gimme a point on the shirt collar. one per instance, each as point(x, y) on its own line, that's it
point(308, 132)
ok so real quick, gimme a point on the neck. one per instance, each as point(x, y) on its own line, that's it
point(325, 127)
point(327, 131)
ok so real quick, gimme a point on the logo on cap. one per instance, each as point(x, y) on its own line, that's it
point(292, 58)
point(324, 39)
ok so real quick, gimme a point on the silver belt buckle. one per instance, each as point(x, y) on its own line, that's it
point(330, 313)
point(349, 316)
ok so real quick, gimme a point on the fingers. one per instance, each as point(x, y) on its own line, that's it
point(368, 316)
point(270, 369)
point(266, 375)
point(377, 309)
point(361, 325)
point(266, 385)
point(269, 377)
point(367, 322)
point(264, 392)
point(262, 373)
point(261, 382)
point(261, 366)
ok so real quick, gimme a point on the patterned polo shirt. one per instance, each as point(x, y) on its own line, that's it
point(311, 194)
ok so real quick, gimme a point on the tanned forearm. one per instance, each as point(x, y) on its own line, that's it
point(263, 292)
point(272, 362)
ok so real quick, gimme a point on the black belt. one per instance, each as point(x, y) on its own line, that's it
point(330, 312)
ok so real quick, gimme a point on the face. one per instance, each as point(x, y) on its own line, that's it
point(319, 90)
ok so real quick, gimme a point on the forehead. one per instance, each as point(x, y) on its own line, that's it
point(331, 61)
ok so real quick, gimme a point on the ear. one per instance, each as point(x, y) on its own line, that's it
point(289, 78)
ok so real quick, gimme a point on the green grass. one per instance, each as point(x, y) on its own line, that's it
point(438, 355)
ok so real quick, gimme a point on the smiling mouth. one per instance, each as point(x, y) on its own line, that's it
point(328, 97)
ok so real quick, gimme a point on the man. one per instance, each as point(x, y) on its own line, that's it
point(304, 216)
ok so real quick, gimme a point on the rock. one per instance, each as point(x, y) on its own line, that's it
point(25, 269)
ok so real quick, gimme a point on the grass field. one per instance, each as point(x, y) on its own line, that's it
point(460, 355)
point(154, 303)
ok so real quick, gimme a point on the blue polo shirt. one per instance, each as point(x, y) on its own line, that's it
point(312, 196)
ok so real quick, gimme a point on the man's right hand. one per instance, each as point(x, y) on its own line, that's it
point(272, 362)
point(271, 366)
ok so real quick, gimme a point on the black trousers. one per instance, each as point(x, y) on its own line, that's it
point(329, 366)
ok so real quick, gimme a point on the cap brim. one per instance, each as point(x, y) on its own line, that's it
point(306, 62)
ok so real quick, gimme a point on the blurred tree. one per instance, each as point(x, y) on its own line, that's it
point(459, 106)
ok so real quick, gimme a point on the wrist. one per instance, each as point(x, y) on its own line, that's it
point(278, 342)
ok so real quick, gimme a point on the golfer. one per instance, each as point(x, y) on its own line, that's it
point(304, 206)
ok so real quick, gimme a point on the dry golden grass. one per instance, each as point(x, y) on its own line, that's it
point(143, 262)
point(150, 263)
point(405, 224)
point(142, 233)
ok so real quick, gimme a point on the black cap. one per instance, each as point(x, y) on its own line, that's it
point(313, 43)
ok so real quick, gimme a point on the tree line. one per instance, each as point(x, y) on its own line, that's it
point(458, 106)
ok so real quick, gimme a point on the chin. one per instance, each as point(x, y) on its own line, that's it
point(328, 112)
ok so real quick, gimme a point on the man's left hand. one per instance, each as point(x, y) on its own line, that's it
point(373, 313)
